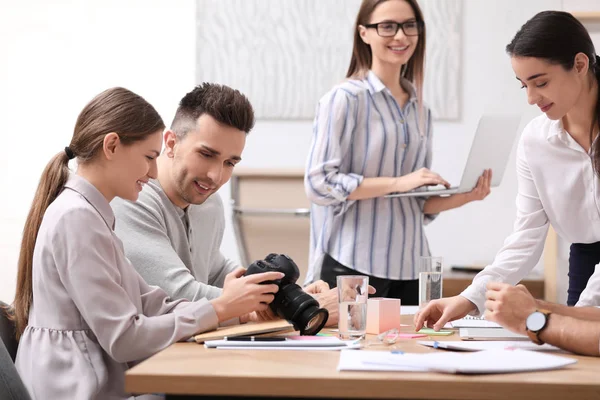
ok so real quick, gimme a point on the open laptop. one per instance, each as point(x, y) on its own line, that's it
point(491, 149)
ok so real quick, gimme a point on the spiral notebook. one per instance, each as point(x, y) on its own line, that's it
point(473, 322)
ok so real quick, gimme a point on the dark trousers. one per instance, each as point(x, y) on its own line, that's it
point(583, 258)
point(407, 291)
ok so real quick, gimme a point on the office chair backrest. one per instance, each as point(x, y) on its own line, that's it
point(11, 385)
point(8, 332)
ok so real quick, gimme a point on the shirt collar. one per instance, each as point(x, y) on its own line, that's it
point(556, 130)
point(557, 133)
point(375, 85)
point(93, 196)
point(161, 192)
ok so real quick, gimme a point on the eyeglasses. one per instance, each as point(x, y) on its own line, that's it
point(389, 29)
point(388, 338)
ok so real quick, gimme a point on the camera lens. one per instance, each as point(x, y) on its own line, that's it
point(315, 323)
point(291, 302)
point(300, 308)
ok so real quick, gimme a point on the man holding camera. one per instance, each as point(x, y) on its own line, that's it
point(173, 233)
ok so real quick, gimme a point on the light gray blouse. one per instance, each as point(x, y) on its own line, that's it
point(93, 316)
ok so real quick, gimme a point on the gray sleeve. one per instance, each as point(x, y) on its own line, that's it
point(223, 266)
point(148, 247)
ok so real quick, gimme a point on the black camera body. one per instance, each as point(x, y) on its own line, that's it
point(291, 302)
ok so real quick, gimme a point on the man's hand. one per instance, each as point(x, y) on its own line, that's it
point(328, 299)
point(509, 305)
point(317, 287)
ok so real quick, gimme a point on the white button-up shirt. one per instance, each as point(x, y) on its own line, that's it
point(556, 185)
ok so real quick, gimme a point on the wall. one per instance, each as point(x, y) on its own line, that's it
point(55, 57)
point(474, 233)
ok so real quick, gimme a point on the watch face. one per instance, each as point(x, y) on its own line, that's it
point(536, 321)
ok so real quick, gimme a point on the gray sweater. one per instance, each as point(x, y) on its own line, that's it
point(178, 250)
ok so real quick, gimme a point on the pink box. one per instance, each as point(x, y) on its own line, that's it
point(382, 314)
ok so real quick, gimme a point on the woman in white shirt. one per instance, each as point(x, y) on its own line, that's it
point(555, 62)
point(372, 137)
point(83, 313)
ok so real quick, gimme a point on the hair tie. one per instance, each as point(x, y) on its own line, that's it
point(69, 153)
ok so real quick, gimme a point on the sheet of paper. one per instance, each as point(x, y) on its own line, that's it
point(481, 362)
point(497, 361)
point(313, 342)
point(365, 360)
point(349, 347)
point(488, 345)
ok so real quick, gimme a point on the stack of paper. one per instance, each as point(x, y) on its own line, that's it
point(481, 362)
point(295, 343)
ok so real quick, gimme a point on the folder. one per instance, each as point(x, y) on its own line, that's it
point(251, 328)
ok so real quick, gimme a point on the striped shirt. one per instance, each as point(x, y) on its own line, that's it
point(360, 131)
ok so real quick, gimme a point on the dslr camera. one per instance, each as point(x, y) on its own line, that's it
point(291, 302)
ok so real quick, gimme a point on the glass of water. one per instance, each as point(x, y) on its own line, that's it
point(430, 280)
point(353, 291)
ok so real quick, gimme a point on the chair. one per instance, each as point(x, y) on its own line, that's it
point(11, 385)
point(8, 331)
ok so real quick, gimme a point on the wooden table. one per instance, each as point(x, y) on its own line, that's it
point(189, 368)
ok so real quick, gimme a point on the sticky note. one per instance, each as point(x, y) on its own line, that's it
point(411, 335)
point(431, 332)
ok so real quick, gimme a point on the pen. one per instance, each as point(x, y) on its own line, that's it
point(253, 339)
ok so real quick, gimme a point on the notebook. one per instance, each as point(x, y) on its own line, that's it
point(473, 322)
point(489, 334)
point(251, 328)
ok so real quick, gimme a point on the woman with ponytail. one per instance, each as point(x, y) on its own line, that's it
point(558, 164)
point(373, 136)
point(82, 312)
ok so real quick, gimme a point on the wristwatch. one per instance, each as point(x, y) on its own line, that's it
point(536, 322)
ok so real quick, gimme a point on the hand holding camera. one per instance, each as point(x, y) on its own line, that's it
point(245, 294)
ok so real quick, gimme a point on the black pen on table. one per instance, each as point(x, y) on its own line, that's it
point(253, 339)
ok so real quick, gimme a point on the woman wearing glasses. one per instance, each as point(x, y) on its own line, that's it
point(372, 137)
